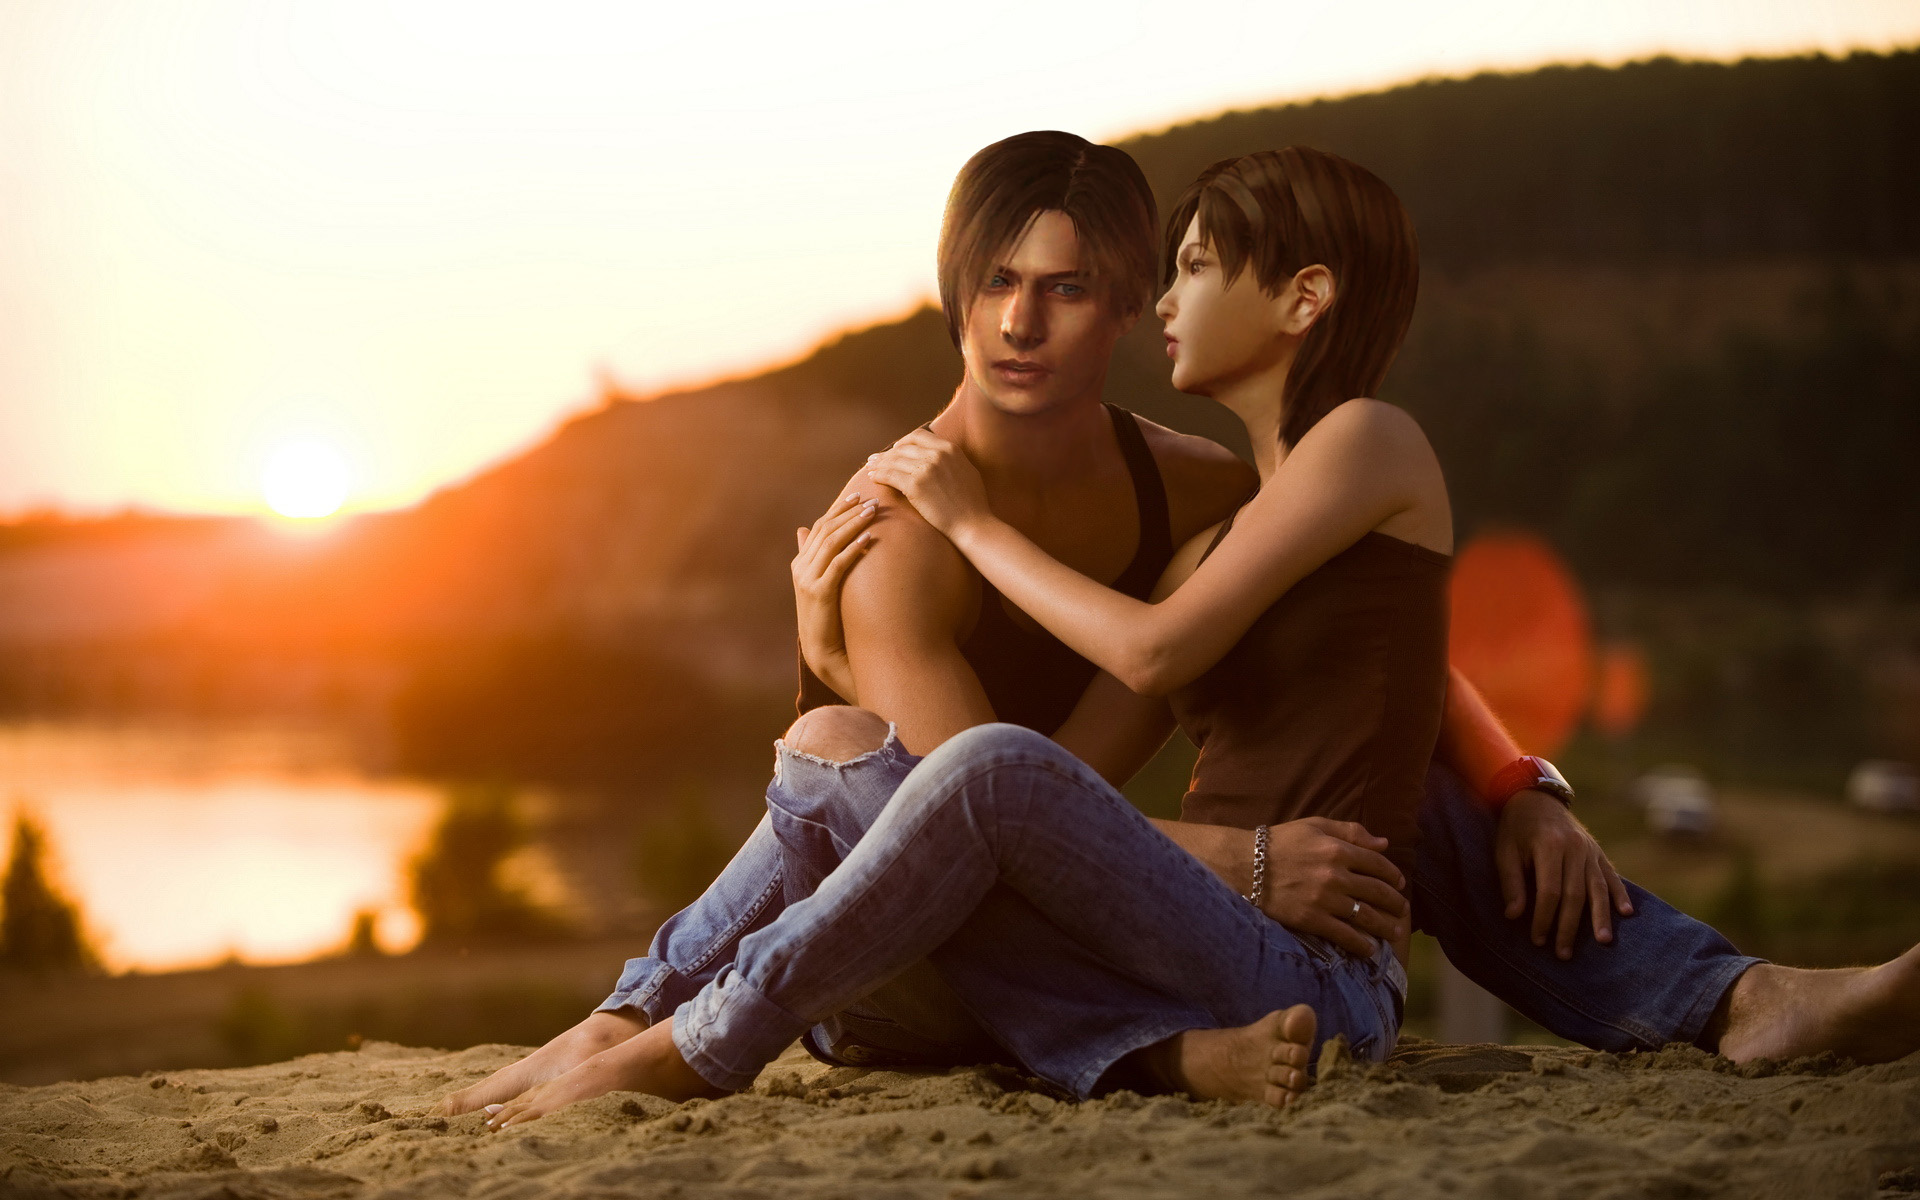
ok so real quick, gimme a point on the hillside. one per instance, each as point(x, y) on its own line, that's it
point(1670, 316)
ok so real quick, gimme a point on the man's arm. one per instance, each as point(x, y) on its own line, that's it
point(906, 607)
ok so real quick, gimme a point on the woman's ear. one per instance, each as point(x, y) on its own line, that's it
point(1311, 294)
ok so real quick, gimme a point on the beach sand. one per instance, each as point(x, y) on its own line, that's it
point(1435, 1121)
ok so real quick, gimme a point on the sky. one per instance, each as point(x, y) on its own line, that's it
point(404, 240)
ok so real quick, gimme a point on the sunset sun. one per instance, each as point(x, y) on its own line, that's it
point(305, 479)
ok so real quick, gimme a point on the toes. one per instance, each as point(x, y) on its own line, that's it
point(1288, 1054)
point(1298, 1024)
point(1290, 1078)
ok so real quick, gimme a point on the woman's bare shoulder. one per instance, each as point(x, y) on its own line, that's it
point(1386, 442)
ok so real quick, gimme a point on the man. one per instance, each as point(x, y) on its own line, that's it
point(1046, 257)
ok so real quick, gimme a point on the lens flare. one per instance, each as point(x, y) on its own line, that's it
point(305, 480)
point(1520, 632)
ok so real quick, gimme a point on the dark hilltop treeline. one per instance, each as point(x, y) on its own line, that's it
point(1669, 318)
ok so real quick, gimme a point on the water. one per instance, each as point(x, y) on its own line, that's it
point(189, 847)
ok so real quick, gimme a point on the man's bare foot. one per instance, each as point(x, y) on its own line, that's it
point(1868, 1014)
point(598, 1032)
point(648, 1062)
point(1265, 1061)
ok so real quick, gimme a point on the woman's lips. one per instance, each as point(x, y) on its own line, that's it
point(1020, 372)
point(1173, 343)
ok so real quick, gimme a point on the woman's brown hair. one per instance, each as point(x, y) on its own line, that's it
point(1282, 210)
point(1003, 187)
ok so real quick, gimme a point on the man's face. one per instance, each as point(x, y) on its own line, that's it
point(1040, 332)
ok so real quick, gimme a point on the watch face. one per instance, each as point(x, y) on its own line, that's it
point(1551, 781)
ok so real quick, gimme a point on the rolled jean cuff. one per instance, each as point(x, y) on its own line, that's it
point(643, 995)
point(731, 1030)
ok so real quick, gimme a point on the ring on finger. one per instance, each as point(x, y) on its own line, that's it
point(1356, 909)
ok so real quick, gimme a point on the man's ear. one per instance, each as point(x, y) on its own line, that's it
point(1308, 296)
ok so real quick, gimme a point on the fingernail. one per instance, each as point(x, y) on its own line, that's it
point(493, 1108)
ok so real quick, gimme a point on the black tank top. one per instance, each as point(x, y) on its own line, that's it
point(1331, 702)
point(1030, 677)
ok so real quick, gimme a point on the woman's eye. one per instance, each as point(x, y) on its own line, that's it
point(1194, 265)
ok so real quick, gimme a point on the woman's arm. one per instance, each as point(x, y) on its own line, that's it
point(1472, 740)
point(1362, 465)
point(1537, 835)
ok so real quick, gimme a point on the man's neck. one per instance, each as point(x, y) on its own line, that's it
point(1028, 451)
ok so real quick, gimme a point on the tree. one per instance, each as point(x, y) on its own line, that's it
point(40, 929)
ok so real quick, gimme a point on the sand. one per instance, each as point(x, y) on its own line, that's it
point(1435, 1121)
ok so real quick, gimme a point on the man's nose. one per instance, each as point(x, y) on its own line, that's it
point(1022, 322)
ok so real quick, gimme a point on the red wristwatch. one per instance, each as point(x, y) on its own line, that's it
point(1528, 773)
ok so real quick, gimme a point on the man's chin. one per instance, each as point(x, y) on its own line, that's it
point(1027, 402)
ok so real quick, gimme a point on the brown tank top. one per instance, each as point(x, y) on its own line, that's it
point(1031, 677)
point(1331, 703)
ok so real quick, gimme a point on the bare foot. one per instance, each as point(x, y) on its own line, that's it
point(598, 1032)
point(648, 1062)
point(1868, 1014)
point(1265, 1061)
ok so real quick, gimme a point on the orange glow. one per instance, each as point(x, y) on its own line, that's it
point(1520, 632)
point(1621, 690)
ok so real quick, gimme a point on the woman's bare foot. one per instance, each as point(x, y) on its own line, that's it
point(648, 1062)
point(1868, 1014)
point(598, 1032)
point(1265, 1061)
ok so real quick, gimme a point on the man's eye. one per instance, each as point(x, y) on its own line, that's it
point(998, 281)
point(1068, 289)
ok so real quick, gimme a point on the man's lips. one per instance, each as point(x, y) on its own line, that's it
point(1019, 370)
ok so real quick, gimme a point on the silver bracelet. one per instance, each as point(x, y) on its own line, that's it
point(1259, 891)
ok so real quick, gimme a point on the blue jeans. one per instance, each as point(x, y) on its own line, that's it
point(1067, 927)
point(1658, 982)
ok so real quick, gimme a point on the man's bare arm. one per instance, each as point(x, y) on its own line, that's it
point(906, 608)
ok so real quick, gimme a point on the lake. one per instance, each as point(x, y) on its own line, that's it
point(189, 847)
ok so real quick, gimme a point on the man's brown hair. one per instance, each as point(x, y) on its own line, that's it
point(1282, 210)
point(1005, 186)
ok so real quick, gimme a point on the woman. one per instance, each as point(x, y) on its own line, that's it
point(1306, 652)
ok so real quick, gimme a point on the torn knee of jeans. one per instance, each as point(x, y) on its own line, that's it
point(836, 735)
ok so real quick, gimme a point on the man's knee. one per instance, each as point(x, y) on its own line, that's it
point(836, 733)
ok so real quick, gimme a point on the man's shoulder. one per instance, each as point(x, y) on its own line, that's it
point(913, 574)
point(1205, 481)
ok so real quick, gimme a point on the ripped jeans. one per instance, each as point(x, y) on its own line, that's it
point(1031, 911)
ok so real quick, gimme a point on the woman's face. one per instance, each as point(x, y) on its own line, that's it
point(1218, 334)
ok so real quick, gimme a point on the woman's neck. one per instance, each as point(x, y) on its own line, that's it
point(1259, 399)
